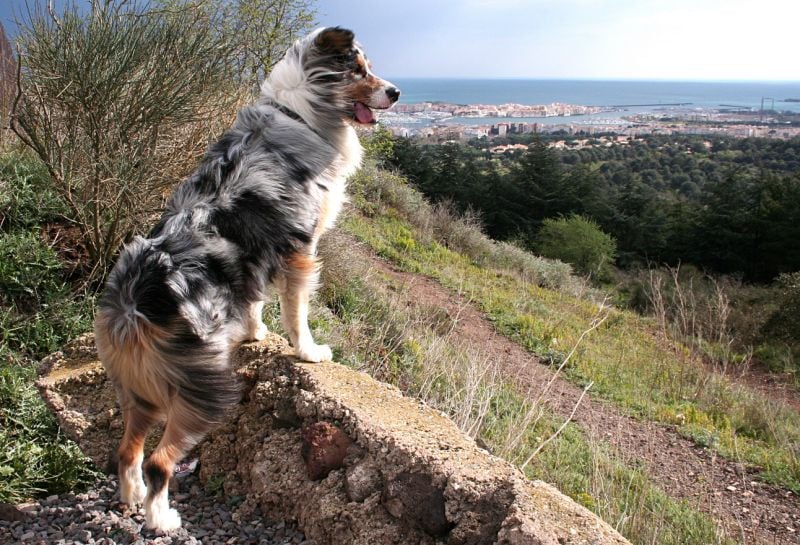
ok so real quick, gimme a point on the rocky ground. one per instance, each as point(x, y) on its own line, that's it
point(96, 517)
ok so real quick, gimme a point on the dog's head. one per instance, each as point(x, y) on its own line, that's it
point(328, 74)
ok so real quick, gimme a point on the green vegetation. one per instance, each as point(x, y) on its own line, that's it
point(727, 205)
point(724, 205)
point(627, 362)
point(579, 242)
point(38, 314)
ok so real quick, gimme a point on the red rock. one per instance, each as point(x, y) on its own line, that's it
point(324, 449)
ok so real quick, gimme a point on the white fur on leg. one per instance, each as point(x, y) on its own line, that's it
point(261, 332)
point(157, 513)
point(314, 352)
point(294, 315)
point(258, 329)
point(132, 489)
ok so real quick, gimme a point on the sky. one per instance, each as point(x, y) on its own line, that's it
point(593, 39)
point(702, 40)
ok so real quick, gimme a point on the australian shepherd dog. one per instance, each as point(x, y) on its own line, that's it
point(178, 302)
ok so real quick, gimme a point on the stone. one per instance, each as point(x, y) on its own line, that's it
point(10, 513)
point(362, 479)
point(324, 449)
point(413, 498)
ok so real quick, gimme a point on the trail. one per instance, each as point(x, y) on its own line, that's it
point(750, 511)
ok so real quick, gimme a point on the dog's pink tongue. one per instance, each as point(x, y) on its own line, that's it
point(363, 113)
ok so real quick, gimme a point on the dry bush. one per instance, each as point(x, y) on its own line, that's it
point(696, 310)
point(6, 83)
point(119, 104)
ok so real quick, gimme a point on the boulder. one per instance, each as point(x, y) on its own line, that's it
point(348, 458)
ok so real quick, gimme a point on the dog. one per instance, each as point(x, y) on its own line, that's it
point(177, 303)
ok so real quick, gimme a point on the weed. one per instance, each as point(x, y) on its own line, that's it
point(27, 198)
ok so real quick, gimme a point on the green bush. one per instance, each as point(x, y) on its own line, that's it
point(34, 457)
point(30, 271)
point(44, 330)
point(784, 323)
point(579, 242)
point(781, 347)
point(27, 197)
point(37, 311)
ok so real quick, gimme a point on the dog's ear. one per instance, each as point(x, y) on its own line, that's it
point(335, 40)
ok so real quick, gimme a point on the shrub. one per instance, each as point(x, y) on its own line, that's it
point(783, 323)
point(580, 242)
point(118, 103)
point(29, 270)
point(256, 32)
point(27, 198)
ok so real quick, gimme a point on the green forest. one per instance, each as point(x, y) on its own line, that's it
point(727, 206)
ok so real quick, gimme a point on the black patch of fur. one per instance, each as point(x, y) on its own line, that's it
point(157, 477)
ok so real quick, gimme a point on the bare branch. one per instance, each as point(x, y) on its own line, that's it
point(559, 430)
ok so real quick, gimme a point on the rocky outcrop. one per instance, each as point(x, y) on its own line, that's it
point(352, 460)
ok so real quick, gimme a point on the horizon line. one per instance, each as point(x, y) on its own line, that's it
point(578, 78)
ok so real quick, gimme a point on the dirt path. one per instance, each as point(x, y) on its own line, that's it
point(748, 510)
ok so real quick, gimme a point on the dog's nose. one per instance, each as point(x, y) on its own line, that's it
point(393, 93)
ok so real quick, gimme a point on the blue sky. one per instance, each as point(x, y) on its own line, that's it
point(594, 39)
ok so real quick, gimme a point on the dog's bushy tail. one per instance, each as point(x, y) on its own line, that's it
point(150, 351)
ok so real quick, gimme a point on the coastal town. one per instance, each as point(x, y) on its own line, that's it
point(441, 122)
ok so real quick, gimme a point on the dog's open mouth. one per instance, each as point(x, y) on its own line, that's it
point(363, 114)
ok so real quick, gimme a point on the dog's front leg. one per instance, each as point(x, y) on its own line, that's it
point(298, 283)
point(256, 328)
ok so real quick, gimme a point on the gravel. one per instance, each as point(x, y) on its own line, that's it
point(96, 517)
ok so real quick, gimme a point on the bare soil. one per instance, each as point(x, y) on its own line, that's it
point(748, 510)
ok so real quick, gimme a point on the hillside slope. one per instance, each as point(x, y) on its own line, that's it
point(440, 291)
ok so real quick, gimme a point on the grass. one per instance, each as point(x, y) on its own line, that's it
point(627, 362)
point(372, 329)
point(38, 314)
point(35, 458)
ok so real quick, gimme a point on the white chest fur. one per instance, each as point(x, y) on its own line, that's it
point(333, 199)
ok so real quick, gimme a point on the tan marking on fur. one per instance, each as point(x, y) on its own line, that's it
point(361, 62)
point(181, 433)
point(363, 89)
point(302, 264)
point(136, 363)
point(137, 424)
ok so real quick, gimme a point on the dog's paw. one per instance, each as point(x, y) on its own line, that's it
point(315, 353)
point(163, 520)
point(260, 333)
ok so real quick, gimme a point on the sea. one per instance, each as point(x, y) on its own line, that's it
point(601, 93)
point(626, 96)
